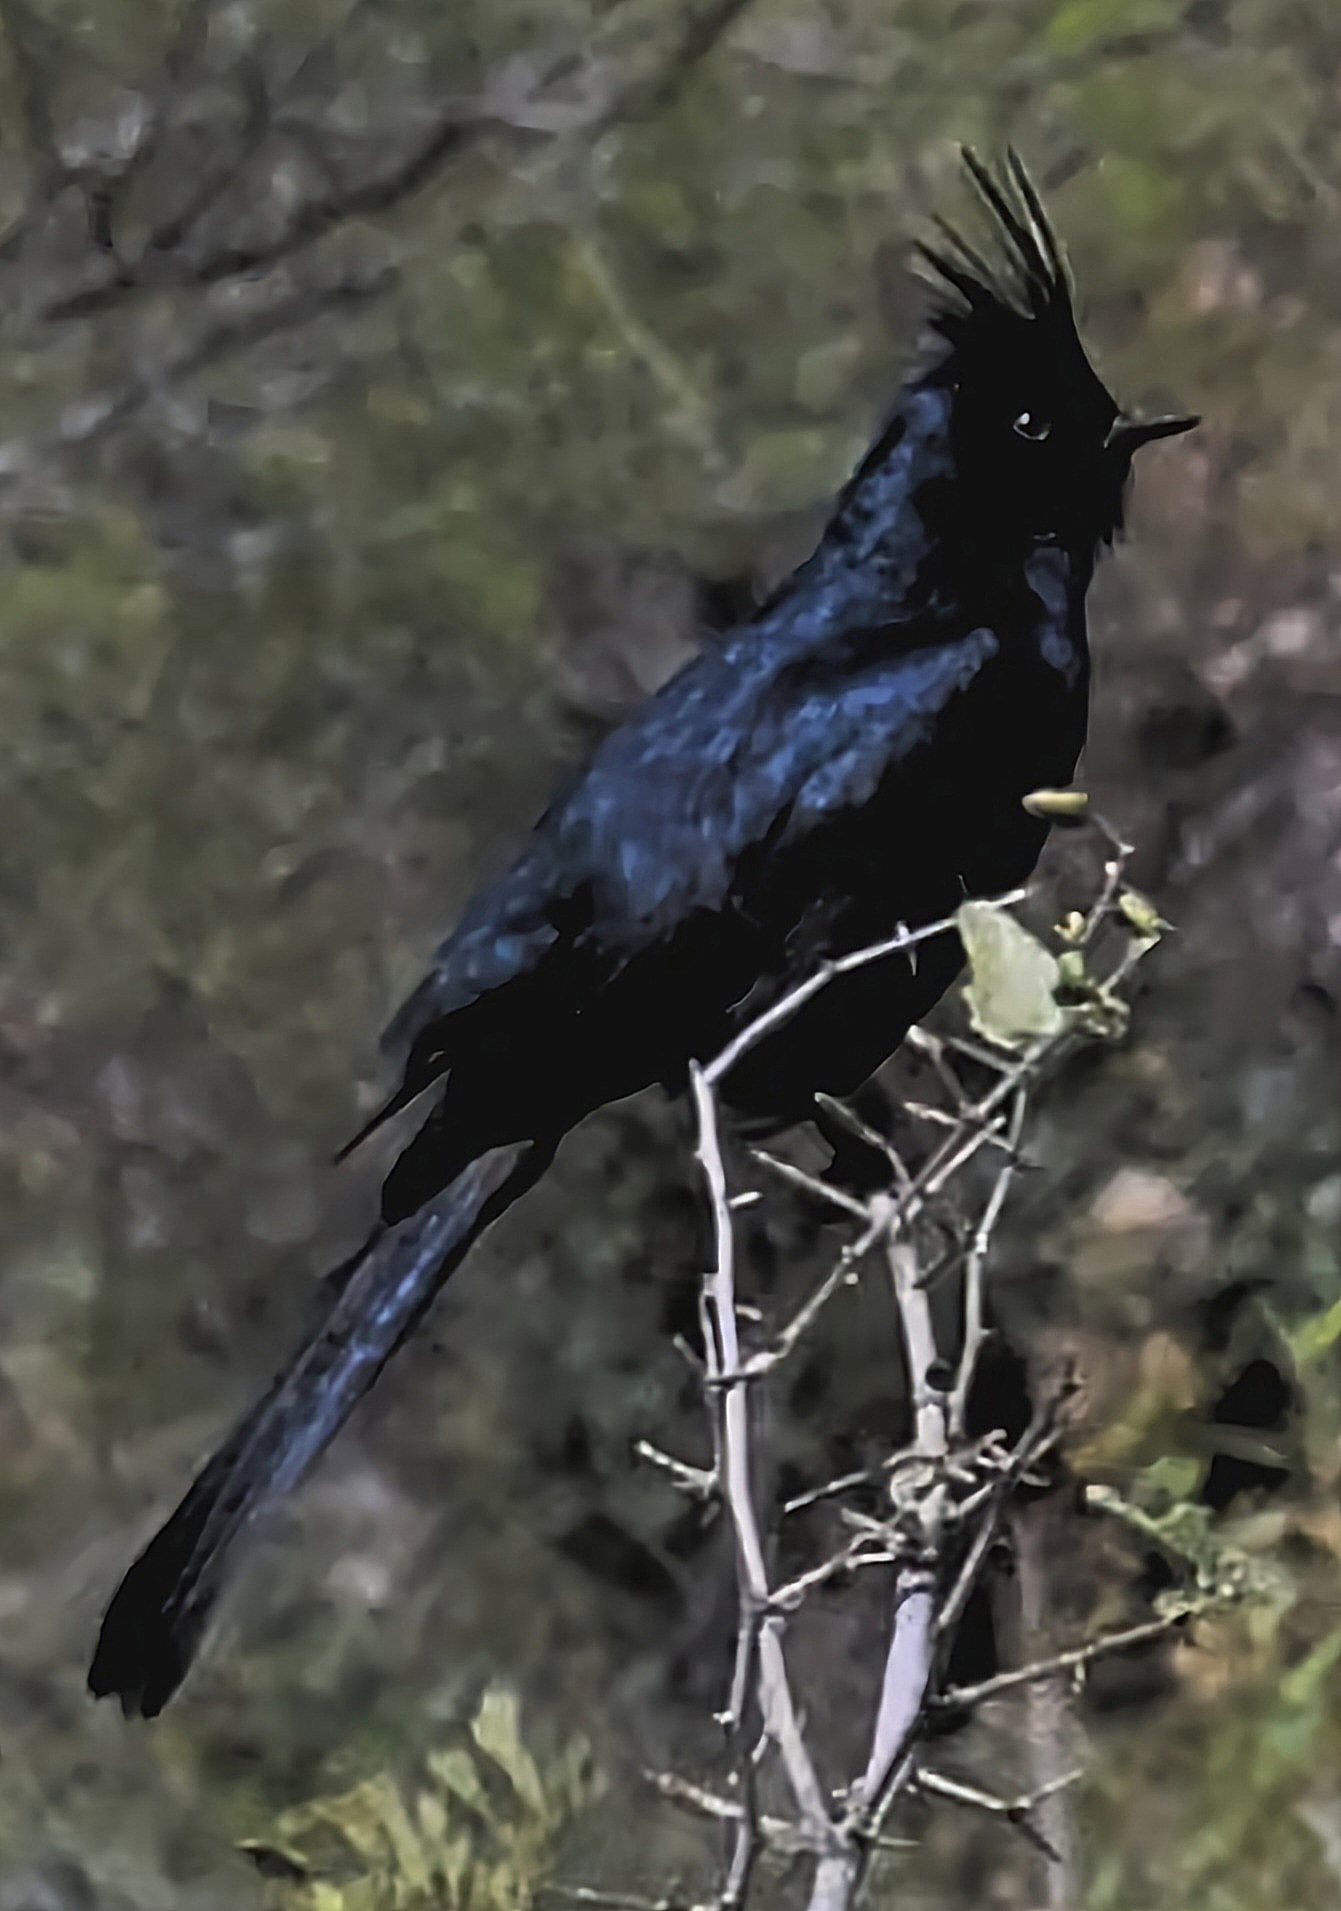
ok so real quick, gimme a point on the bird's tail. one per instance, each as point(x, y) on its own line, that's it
point(157, 1615)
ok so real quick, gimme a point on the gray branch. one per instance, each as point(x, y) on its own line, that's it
point(946, 1495)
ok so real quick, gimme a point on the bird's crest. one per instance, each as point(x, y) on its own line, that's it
point(1029, 280)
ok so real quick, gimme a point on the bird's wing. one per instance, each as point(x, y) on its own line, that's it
point(747, 756)
point(759, 741)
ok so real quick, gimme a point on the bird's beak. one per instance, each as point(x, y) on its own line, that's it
point(1129, 434)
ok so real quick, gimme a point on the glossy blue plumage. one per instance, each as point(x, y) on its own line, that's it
point(852, 759)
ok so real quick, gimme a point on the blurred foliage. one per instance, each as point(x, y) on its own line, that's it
point(478, 1835)
point(317, 571)
point(1244, 1810)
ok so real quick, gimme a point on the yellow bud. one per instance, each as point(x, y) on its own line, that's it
point(1141, 913)
point(1063, 803)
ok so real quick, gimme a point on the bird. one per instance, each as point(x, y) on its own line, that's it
point(852, 757)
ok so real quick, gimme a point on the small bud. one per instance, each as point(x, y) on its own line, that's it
point(1067, 804)
point(1141, 913)
point(1071, 969)
point(1072, 926)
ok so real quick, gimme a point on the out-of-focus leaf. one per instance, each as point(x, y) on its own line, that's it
point(1314, 1337)
point(1144, 197)
point(783, 470)
point(361, 1816)
point(1302, 1684)
point(451, 1847)
point(455, 1771)
point(495, 1731)
point(273, 1860)
point(1080, 24)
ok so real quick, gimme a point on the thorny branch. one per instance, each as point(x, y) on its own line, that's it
point(946, 1493)
point(759, 1657)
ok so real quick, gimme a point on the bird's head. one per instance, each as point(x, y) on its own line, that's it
point(1038, 443)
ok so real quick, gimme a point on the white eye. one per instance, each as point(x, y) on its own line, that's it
point(1029, 425)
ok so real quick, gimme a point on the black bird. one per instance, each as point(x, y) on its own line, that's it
point(853, 757)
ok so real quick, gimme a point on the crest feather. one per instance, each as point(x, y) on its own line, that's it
point(1030, 279)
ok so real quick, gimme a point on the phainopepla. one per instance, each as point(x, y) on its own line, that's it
point(851, 758)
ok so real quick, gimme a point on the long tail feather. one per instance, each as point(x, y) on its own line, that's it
point(158, 1613)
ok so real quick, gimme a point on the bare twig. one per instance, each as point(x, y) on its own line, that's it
point(964, 1697)
point(93, 417)
point(760, 1627)
point(1015, 1811)
point(688, 412)
point(810, 1184)
point(973, 1269)
point(779, 1833)
point(698, 1481)
point(911, 1656)
point(214, 180)
point(795, 999)
point(1115, 870)
point(857, 1554)
point(1041, 1438)
point(946, 1494)
point(313, 220)
point(642, 98)
point(610, 1900)
point(166, 98)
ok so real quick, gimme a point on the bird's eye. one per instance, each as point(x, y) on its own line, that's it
point(1029, 425)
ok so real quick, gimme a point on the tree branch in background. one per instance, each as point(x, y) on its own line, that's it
point(945, 1493)
point(92, 418)
point(165, 99)
point(172, 258)
point(23, 31)
point(207, 238)
point(644, 97)
point(159, 269)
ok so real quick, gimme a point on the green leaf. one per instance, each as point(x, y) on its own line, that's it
point(323, 1896)
point(1011, 994)
point(1315, 1336)
point(1303, 1684)
point(274, 1860)
point(454, 1864)
point(496, 1731)
point(433, 1819)
point(360, 1817)
point(455, 1771)
point(407, 1849)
